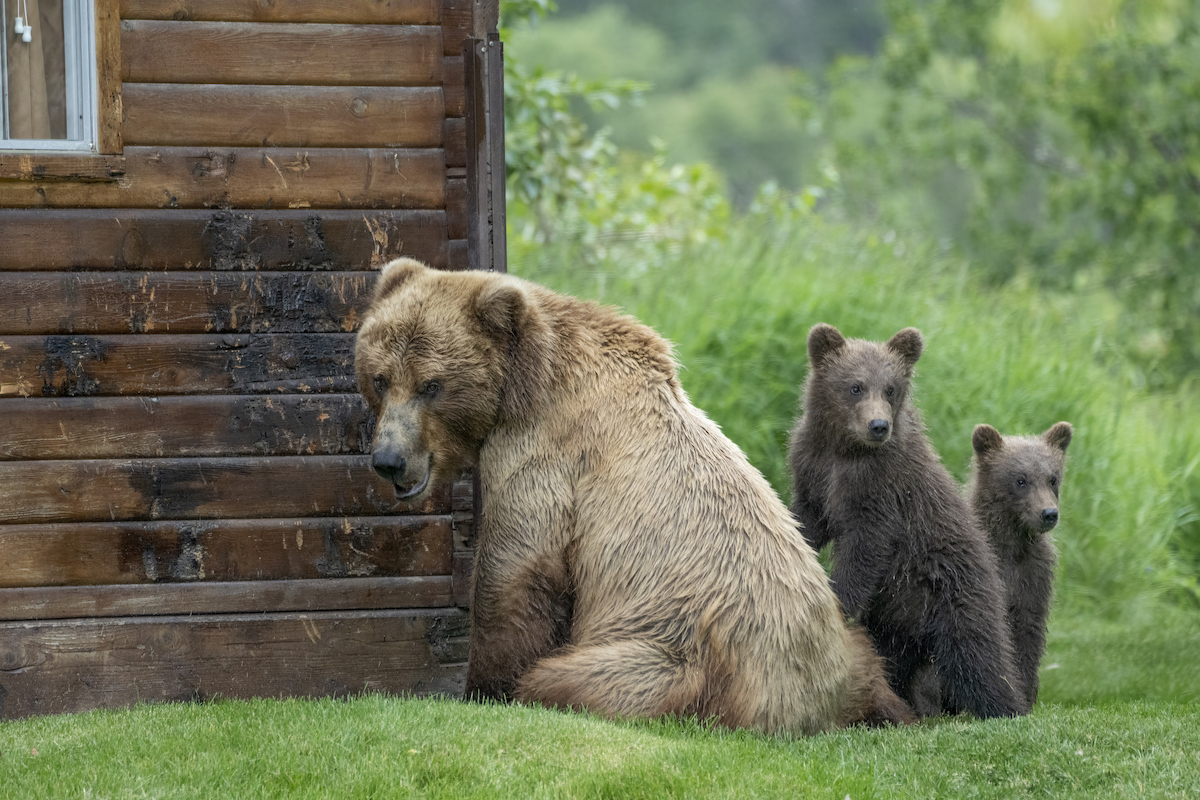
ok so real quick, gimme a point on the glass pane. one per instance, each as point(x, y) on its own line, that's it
point(35, 69)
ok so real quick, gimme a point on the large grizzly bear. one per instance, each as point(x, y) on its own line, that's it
point(1013, 490)
point(909, 560)
point(629, 559)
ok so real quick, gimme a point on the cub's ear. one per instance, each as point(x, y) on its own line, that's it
point(907, 344)
point(986, 439)
point(1059, 435)
point(395, 274)
point(823, 341)
point(500, 307)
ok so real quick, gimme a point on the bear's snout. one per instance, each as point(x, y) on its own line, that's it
point(1049, 518)
point(389, 464)
point(878, 428)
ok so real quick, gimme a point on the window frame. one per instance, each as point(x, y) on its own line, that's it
point(81, 90)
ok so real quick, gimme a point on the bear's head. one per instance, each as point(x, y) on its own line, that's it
point(442, 358)
point(1019, 477)
point(857, 388)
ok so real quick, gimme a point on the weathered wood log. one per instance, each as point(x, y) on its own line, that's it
point(104, 553)
point(188, 488)
point(281, 53)
point(367, 12)
point(198, 302)
point(182, 239)
point(73, 665)
point(246, 177)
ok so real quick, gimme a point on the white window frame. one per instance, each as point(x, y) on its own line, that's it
point(79, 34)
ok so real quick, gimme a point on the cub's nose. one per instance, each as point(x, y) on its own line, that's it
point(878, 428)
point(1049, 517)
point(388, 464)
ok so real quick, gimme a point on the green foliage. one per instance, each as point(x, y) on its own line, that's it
point(376, 747)
point(1075, 163)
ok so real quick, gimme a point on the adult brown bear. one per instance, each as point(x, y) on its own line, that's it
point(629, 560)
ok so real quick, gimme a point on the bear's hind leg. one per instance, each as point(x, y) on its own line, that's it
point(628, 678)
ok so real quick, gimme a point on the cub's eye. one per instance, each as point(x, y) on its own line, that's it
point(891, 391)
point(430, 388)
point(1053, 481)
point(1020, 481)
point(855, 389)
point(380, 384)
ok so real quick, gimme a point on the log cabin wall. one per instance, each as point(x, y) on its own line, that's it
point(187, 508)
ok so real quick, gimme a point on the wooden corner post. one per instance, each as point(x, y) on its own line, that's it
point(483, 68)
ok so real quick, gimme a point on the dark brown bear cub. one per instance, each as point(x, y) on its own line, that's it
point(909, 559)
point(1014, 492)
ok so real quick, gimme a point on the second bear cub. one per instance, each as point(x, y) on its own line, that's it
point(909, 559)
point(1014, 490)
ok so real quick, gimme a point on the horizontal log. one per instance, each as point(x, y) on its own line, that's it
point(454, 86)
point(78, 168)
point(76, 665)
point(70, 602)
point(174, 364)
point(273, 550)
point(184, 427)
point(182, 115)
point(393, 12)
point(178, 239)
point(280, 53)
point(454, 136)
point(251, 178)
point(196, 302)
point(210, 488)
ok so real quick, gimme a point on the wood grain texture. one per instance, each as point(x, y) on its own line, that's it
point(217, 488)
point(182, 239)
point(280, 53)
point(107, 553)
point(181, 115)
point(71, 602)
point(454, 137)
point(383, 12)
point(175, 364)
point(74, 665)
point(76, 167)
point(453, 86)
point(197, 302)
point(108, 76)
point(184, 427)
point(456, 208)
point(251, 178)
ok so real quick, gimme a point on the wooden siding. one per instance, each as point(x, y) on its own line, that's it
point(189, 509)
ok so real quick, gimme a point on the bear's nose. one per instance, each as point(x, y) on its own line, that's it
point(878, 428)
point(1049, 517)
point(388, 464)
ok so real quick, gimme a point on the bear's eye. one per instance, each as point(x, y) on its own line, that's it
point(855, 389)
point(891, 391)
point(430, 388)
point(1020, 481)
point(380, 383)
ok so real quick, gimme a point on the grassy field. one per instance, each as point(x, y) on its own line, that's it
point(1118, 715)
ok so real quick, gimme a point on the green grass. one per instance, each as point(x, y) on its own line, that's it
point(375, 747)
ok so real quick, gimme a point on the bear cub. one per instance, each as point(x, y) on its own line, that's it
point(910, 561)
point(1013, 490)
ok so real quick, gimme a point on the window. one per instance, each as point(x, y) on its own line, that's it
point(48, 76)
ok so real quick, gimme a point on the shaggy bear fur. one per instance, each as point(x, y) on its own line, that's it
point(629, 559)
point(1014, 489)
point(909, 560)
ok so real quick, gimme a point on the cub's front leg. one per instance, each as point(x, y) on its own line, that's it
point(520, 610)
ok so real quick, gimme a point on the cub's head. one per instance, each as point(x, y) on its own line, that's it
point(1019, 477)
point(442, 358)
point(856, 388)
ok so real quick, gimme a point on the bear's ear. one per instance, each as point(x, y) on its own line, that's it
point(1059, 435)
point(986, 439)
point(395, 274)
point(512, 318)
point(500, 305)
point(823, 341)
point(907, 344)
